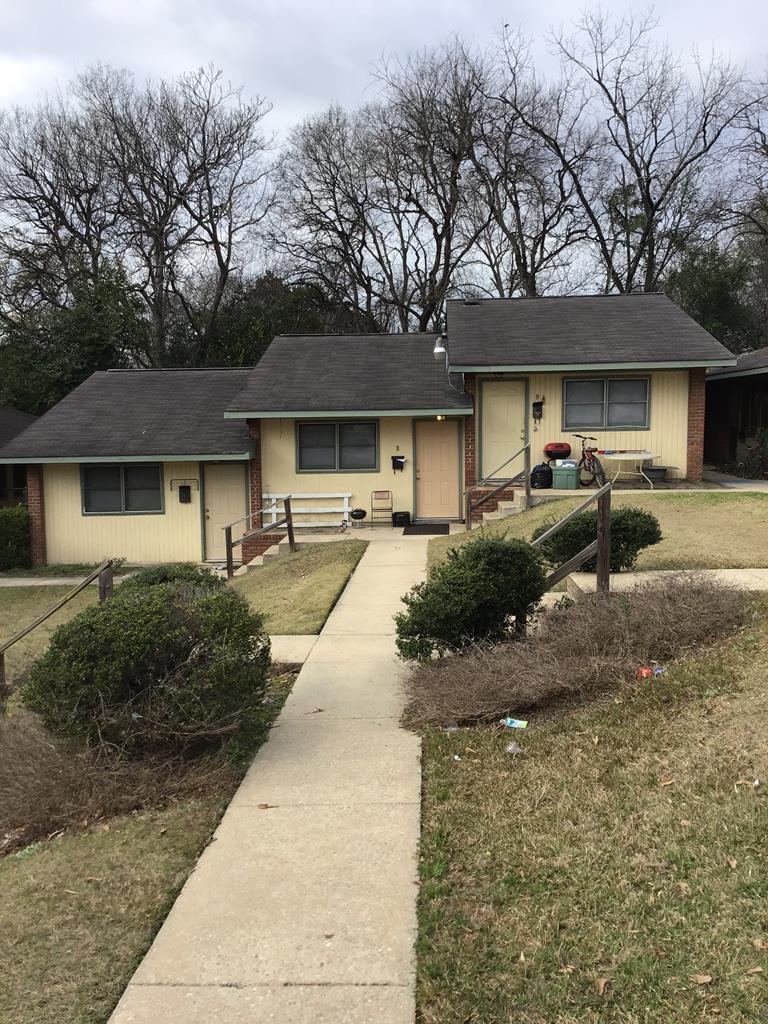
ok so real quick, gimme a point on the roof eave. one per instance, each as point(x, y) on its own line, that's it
point(303, 414)
point(682, 364)
point(37, 460)
point(739, 373)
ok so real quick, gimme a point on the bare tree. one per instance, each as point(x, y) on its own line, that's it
point(640, 140)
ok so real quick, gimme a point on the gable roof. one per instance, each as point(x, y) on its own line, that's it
point(747, 364)
point(12, 422)
point(578, 332)
point(139, 414)
point(376, 374)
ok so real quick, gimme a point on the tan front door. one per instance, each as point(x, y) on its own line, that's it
point(502, 427)
point(437, 469)
point(225, 498)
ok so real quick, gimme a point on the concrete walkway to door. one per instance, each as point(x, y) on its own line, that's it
point(303, 908)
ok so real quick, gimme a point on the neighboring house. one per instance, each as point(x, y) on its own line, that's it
point(737, 407)
point(13, 477)
point(329, 420)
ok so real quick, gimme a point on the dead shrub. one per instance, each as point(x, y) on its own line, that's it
point(48, 786)
point(585, 649)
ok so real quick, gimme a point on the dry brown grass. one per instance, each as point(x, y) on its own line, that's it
point(585, 649)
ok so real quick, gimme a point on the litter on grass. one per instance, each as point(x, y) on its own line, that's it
point(514, 723)
point(451, 726)
point(513, 748)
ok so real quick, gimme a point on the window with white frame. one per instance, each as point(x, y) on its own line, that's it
point(134, 487)
point(329, 447)
point(606, 403)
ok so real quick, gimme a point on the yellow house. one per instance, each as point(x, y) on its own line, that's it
point(151, 465)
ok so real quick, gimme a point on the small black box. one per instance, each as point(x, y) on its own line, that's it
point(401, 518)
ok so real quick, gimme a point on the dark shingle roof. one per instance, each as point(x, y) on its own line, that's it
point(12, 422)
point(589, 329)
point(746, 363)
point(124, 413)
point(350, 373)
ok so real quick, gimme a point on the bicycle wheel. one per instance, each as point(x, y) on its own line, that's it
point(599, 473)
point(586, 473)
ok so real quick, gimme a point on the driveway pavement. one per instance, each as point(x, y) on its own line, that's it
point(303, 907)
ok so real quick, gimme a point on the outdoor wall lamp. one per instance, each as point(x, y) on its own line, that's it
point(439, 418)
point(440, 351)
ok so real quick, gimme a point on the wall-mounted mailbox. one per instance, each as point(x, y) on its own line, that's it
point(185, 494)
point(398, 463)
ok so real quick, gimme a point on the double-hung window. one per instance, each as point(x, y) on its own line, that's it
point(606, 403)
point(331, 447)
point(136, 487)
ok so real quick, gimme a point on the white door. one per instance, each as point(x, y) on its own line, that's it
point(502, 428)
point(225, 503)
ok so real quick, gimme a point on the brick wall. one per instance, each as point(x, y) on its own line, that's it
point(696, 393)
point(470, 434)
point(36, 507)
point(257, 546)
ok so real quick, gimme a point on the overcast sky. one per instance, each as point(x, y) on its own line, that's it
point(303, 54)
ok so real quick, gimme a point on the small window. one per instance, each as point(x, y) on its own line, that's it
point(610, 403)
point(332, 447)
point(128, 488)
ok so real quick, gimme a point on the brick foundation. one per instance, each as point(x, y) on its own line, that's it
point(257, 546)
point(696, 393)
point(36, 508)
point(492, 505)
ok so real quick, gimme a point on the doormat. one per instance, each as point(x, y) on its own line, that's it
point(426, 529)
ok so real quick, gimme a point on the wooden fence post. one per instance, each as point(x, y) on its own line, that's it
point(289, 522)
point(230, 560)
point(5, 690)
point(106, 583)
point(604, 542)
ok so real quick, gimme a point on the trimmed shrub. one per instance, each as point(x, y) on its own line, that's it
point(472, 595)
point(164, 667)
point(180, 572)
point(632, 530)
point(14, 537)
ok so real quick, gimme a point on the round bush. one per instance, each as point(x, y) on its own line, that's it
point(632, 530)
point(167, 666)
point(470, 596)
point(180, 572)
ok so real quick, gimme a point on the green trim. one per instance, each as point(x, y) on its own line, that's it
point(201, 492)
point(589, 367)
point(241, 457)
point(344, 414)
point(605, 428)
point(337, 469)
point(736, 373)
point(123, 511)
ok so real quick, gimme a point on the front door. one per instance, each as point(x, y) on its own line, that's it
point(437, 469)
point(502, 427)
point(225, 502)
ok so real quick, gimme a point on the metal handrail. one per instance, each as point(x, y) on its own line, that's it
point(104, 575)
point(471, 506)
point(286, 521)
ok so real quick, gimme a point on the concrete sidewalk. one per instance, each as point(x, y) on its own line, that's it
point(743, 579)
point(303, 907)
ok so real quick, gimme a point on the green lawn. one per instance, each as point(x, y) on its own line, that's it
point(612, 872)
point(20, 605)
point(297, 591)
point(701, 530)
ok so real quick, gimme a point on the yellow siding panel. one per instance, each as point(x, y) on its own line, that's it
point(173, 536)
point(279, 475)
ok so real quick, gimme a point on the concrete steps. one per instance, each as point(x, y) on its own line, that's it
point(507, 508)
point(276, 551)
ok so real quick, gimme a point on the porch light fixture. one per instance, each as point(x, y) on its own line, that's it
point(440, 351)
point(439, 417)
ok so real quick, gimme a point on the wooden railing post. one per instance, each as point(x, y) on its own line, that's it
point(5, 690)
point(230, 560)
point(604, 542)
point(289, 522)
point(106, 583)
point(527, 471)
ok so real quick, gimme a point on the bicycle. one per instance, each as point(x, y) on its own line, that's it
point(590, 467)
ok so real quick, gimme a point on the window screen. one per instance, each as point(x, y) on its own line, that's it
point(129, 488)
point(606, 403)
point(346, 445)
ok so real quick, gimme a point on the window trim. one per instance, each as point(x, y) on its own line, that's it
point(121, 467)
point(605, 381)
point(336, 424)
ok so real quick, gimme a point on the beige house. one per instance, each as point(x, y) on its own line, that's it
point(151, 465)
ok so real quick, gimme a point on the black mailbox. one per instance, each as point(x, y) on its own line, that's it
point(185, 494)
point(398, 462)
